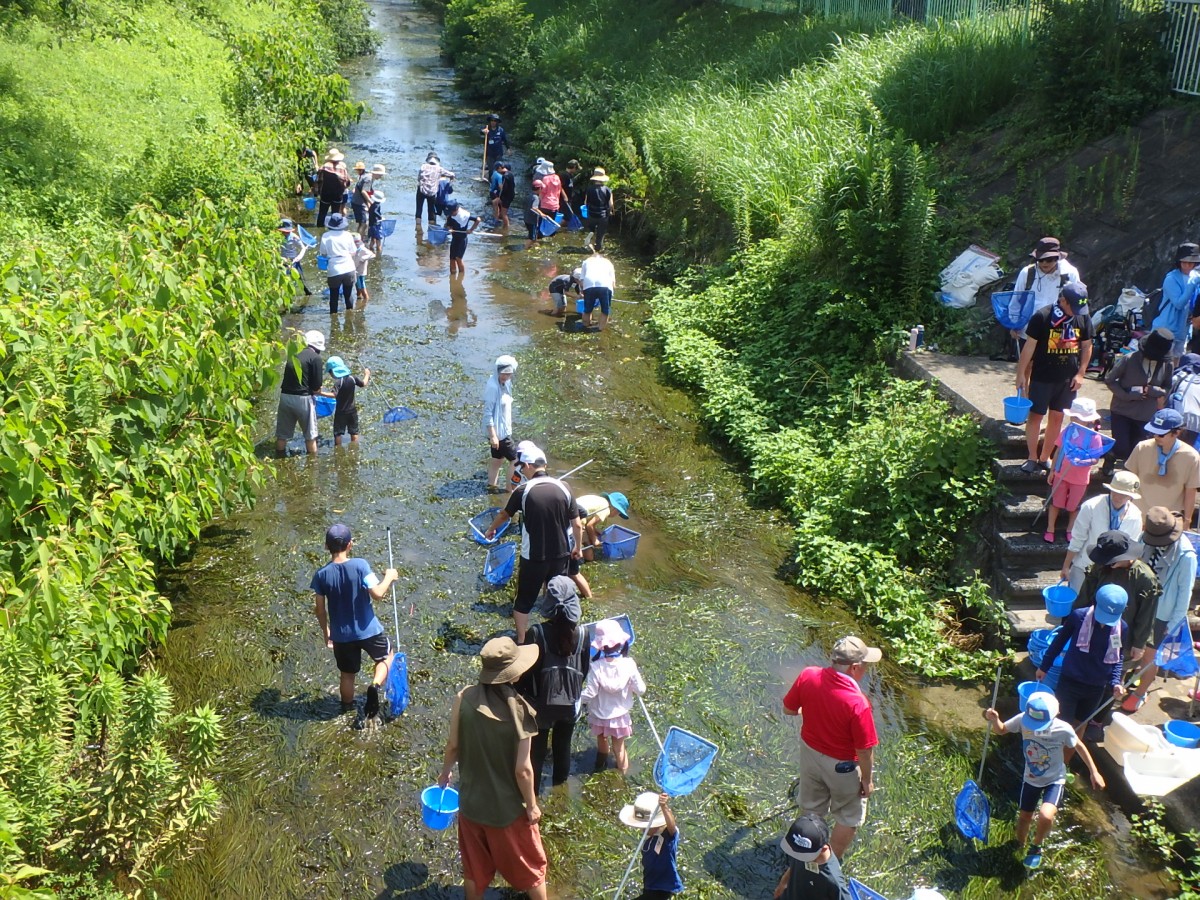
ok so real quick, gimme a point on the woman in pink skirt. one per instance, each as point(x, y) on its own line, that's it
point(612, 681)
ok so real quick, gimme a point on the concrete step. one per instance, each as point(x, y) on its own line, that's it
point(1026, 621)
point(1018, 509)
point(1008, 473)
point(1021, 586)
point(1024, 548)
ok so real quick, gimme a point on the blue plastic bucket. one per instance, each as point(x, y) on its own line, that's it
point(1182, 734)
point(580, 306)
point(1060, 599)
point(1027, 689)
point(1016, 409)
point(310, 202)
point(438, 806)
point(325, 406)
point(322, 262)
point(583, 211)
point(619, 542)
point(558, 218)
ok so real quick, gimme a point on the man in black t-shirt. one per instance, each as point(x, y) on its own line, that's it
point(1051, 368)
point(296, 394)
point(813, 873)
point(550, 517)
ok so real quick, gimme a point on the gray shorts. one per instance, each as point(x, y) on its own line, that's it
point(296, 409)
point(560, 301)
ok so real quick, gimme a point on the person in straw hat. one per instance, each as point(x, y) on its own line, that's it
point(1068, 480)
point(1112, 511)
point(651, 814)
point(491, 730)
point(599, 199)
point(1174, 563)
point(332, 181)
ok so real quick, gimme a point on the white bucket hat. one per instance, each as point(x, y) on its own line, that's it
point(637, 814)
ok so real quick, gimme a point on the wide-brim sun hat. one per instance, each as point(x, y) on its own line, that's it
point(378, 169)
point(638, 813)
point(432, 157)
point(504, 662)
point(618, 502)
point(1187, 252)
point(506, 364)
point(598, 174)
point(1048, 248)
point(1114, 547)
point(1162, 527)
point(334, 155)
point(1083, 409)
point(286, 225)
point(360, 166)
point(378, 196)
point(1157, 344)
point(609, 634)
point(546, 168)
point(1125, 482)
point(336, 222)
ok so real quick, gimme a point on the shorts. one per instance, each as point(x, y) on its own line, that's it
point(1068, 496)
point(514, 851)
point(560, 300)
point(458, 244)
point(296, 409)
point(826, 791)
point(344, 422)
point(360, 213)
point(1050, 395)
point(619, 727)
point(1156, 636)
point(1076, 699)
point(594, 295)
point(349, 655)
point(506, 450)
point(360, 282)
point(532, 575)
point(1033, 797)
point(573, 566)
point(375, 232)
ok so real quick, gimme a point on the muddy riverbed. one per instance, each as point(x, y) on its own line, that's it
point(315, 808)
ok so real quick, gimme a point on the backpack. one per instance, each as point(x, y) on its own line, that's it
point(558, 684)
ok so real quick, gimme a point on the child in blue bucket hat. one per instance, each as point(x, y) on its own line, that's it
point(1047, 745)
point(345, 414)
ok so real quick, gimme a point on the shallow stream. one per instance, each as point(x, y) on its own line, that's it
point(316, 808)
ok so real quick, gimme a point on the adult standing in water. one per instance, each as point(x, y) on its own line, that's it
point(428, 176)
point(552, 195)
point(837, 739)
point(491, 733)
point(497, 419)
point(551, 518)
point(337, 245)
point(599, 197)
point(332, 181)
point(599, 280)
point(296, 394)
point(497, 141)
point(502, 191)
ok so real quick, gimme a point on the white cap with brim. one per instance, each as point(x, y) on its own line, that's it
point(315, 339)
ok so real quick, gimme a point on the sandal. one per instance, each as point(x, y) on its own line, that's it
point(1048, 537)
point(1132, 702)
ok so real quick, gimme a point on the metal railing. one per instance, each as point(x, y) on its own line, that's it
point(1183, 42)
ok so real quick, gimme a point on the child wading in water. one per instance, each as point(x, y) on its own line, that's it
point(612, 681)
point(660, 874)
point(1046, 740)
point(1068, 481)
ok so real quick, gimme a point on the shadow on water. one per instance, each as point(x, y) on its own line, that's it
point(314, 808)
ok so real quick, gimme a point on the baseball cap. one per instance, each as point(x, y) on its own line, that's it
point(1110, 603)
point(1076, 292)
point(337, 537)
point(1163, 421)
point(1040, 711)
point(315, 339)
point(531, 453)
point(805, 840)
point(852, 650)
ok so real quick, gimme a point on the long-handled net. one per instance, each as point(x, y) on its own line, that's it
point(684, 759)
point(396, 687)
point(1013, 308)
point(972, 811)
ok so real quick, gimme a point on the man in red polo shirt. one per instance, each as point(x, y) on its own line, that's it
point(837, 739)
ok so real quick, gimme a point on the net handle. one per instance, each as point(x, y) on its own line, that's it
point(395, 611)
point(653, 730)
point(987, 737)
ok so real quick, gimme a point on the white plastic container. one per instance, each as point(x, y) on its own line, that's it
point(1157, 774)
point(1125, 735)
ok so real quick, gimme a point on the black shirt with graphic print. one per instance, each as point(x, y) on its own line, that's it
point(1058, 337)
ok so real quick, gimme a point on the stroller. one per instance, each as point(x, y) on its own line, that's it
point(1117, 327)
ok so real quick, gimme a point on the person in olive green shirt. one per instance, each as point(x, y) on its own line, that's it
point(491, 729)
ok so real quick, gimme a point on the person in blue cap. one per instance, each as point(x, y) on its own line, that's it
point(1092, 668)
point(345, 413)
point(342, 593)
point(1046, 741)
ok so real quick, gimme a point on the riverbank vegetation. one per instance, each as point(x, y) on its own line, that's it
point(786, 173)
point(143, 147)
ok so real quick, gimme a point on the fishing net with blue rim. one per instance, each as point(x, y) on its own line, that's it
point(684, 762)
point(1013, 308)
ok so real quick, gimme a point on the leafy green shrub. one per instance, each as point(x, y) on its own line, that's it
point(1101, 64)
point(351, 31)
point(490, 41)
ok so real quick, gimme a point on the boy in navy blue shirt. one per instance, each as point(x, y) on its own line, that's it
point(660, 876)
point(343, 590)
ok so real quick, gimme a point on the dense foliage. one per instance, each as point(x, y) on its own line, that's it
point(801, 146)
point(140, 303)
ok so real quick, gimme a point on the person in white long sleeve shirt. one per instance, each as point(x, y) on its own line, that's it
point(1173, 560)
point(497, 418)
point(1046, 275)
point(1114, 511)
